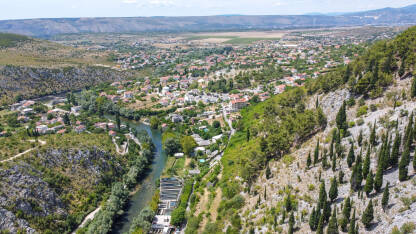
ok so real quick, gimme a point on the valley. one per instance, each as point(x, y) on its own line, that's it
point(273, 130)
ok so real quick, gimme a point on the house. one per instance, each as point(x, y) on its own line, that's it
point(27, 111)
point(80, 128)
point(194, 172)
point(216, 138)
point(200, 148)
point(75, 110)
point(128, 94)
point(42, 129)
point(237, 104)
point(176, 118)
point(178, 155)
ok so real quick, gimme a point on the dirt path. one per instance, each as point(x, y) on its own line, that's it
point(23, 153)
point(90, 216)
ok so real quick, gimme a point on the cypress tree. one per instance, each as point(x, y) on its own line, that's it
point(346, 212)
point(320, 229)
point(385, 199)
point(333, 224)
point(291, 223)
point(367, 162)
point(326, 211)
point(368, 215)
point(409, 129)
point(268, 172)
point(387, 155)
point(308, 160)
point(248, 135)
point(316, 154)
point(360, 138)
point(322, 196)
point(351, 228)
point(378, 180)
point(341, 177)
point(373, 141)
point(334, 163)
point(324, 161)
point(369, 183)
point(265, 194)
point(288, 203)
point(331, 147)
point(404, 162)
point(333, 190)
point(317, 102)
point(341, 118)
point(354, 178)
point(283, 217)
point(312, 220)
point(394, 158)
point(413, 88)
point(359, 166)
point(351, 156)
point(414, 162)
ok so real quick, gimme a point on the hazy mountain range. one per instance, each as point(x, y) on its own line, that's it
point(50, 27)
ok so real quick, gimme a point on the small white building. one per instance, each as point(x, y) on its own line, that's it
point(178, 155)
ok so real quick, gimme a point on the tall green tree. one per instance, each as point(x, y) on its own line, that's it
point(316, 153)
point(288, 202)
point(378, 180)
point(312, 220)
point(368, 188)
point(308, 160)
point(326, 211)
point(413, 88)
point(373, 140)
point(368, 215)
point(346, 212)
point(333, 190)
point(341, 118)
point(360, 138)
point(322, 195)
point(324, 161)
point(403, 164)
point(320, 229)
point(394, 158)
point(351, 228)
point(334, 163)
point(385, 199)
point(333, 224)
point(367, 162)
point(351, 156)
point(409, 130)
point(291, 223)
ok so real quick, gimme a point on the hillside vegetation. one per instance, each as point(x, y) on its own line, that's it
point(342, 132)
point(11, 40)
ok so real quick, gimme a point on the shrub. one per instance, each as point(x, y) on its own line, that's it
point(362, 111)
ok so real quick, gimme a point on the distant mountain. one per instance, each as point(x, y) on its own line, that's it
point(50, 27)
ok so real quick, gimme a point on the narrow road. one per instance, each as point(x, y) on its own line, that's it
point(90, 216)
point(23, 153)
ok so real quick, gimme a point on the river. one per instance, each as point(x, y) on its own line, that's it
point(147, 187)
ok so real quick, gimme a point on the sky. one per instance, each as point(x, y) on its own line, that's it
point(24, 9)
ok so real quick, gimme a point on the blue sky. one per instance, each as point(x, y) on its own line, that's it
point(23, 9)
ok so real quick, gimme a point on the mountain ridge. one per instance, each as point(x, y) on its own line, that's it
point(52, 26)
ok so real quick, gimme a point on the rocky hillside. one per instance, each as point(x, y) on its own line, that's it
point(51, 189)
point(334, 156)
point(34, 82)
point(304, 182)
